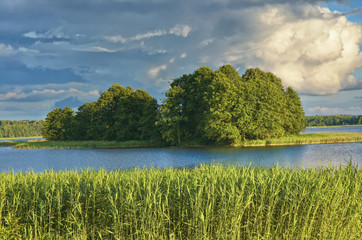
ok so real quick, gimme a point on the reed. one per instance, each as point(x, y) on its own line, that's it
point(31, 144)
point(308, 138)
point(206, 202)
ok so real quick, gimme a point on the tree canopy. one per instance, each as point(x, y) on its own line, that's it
point(222, 107)
point(119, 114)
point(203, 107)
point(23, 128)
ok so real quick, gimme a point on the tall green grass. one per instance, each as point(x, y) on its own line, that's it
point(207, 202)
point(308, 138)
point(77, 144)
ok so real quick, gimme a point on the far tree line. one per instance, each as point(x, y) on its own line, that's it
point(332, 120)
point(24, 128)
point(203, 107)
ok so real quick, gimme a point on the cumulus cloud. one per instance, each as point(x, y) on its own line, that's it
point(309, 47)
point(153, 72)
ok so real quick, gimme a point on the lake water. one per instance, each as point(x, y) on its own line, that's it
point(111, 159)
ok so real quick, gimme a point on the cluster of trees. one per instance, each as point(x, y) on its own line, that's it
point(10, 129)
point(331, 120)
point(119, 114)
point(220, 106)
point(204, 107)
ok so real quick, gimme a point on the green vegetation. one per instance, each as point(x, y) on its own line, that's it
point(207, 202)
point(333, 120)
point(77, 144)
point(12, 129)
point(222, 107)
point(304, 138)
point(205, 107)
point(308, 138)
point(120, 114)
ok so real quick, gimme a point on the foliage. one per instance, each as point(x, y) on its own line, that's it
point(203, 107)
point(223, 107)
point(58, 123)
point(120, 114)
point(12, 129)
point(333, 120)
point(207, 202)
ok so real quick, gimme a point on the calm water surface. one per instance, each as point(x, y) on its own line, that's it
point(110, 159)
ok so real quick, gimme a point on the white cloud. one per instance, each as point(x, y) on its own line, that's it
point(6, 50)
point(331, 110)
point(17, 94)
point(116, 39)
point(309, 48)
point(206, 42)
point(48, 91)
point(153, 72)
point(99, 49)
point(178, 30)
point(52, 33)
point(324, 110)
point(183, 55)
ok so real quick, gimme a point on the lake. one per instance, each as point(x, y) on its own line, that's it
point(111, 159)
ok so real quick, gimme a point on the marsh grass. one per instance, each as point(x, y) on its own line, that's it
point(76, 144)
point(206, 202)
point(308, 138)
point(304, 138)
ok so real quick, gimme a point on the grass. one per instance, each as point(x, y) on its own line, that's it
point(307, 138)
point(21, 137)
point(329, 126)
point(207, 202)
point(76, 144)
point(304, 138)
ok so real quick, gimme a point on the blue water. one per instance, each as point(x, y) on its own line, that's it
point(110, 159)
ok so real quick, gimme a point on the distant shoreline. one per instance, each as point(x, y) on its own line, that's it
point(302, 139)
point(9, 138)
point(356, 125)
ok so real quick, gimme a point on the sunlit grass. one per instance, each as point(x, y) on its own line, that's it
point(76, 144)
point(304, 138)
point(207, 202)
point(308, 138)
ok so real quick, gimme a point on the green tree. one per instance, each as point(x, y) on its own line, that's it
point(58, 123)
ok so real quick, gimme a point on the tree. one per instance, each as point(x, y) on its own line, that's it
point(57, 125)
point(223, 107)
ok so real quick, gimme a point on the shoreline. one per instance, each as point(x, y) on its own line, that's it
point(332, 126)
point(302, 139)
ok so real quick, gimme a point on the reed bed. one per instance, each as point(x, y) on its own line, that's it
point(308, 138)
point(206, 202)
point(76, 144)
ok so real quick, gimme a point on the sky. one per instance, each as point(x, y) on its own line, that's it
point(63, 53)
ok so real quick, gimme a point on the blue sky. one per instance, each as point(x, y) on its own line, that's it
point(55, 53)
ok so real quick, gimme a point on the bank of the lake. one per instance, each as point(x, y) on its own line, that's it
point(304, 138)
point(206, 202)
point(17, 138)
point(332, 126)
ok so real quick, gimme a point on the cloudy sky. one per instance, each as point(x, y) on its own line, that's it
point(65, 52)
